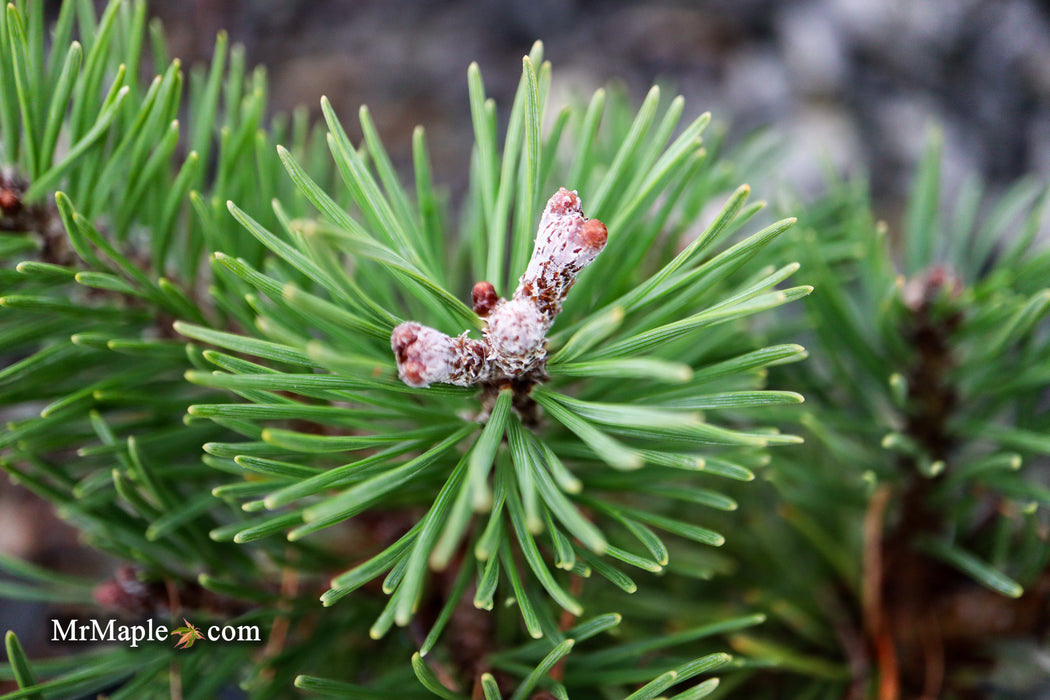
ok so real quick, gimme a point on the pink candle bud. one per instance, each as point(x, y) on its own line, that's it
point(425, 355)
point(515, 335)
point(484, 297)
point(565, 244)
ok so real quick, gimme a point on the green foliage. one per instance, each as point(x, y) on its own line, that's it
point(923, 474)
point(196, 306)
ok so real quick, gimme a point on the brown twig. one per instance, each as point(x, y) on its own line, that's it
point(933, 652)
point(875, 622)
point(871, 594)
point(889, 673)
point(174, 668)
point(478, 692)
point(282, 622)
point(174, 603)
point(899, 611)
point(175, 680)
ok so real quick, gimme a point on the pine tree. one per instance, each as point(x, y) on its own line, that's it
point(237, 355)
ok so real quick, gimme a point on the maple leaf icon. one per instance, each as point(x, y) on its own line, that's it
point(188, 634)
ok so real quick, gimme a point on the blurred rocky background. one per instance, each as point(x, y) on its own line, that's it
point(854, 82)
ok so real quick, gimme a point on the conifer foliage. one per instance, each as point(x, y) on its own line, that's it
point(237, 354)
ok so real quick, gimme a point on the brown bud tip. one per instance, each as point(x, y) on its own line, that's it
point(109, 594)
point(402, 341)
point(123, 592)
point(10, 202)
point(422, 354)
point(413, 373)
point(484, 297)
point(594, 233)
point(402, 337)
point(564, 201)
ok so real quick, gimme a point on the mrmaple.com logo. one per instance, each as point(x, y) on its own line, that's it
point(185, 636)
